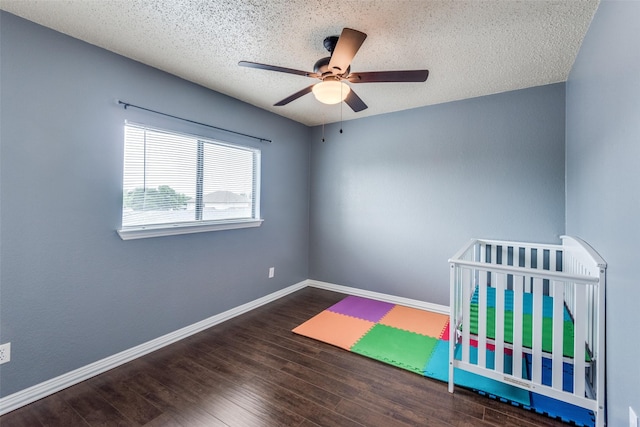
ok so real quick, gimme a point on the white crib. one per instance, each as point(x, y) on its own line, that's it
point(553, 300)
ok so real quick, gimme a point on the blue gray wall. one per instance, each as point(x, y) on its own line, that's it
point(396, 195)
point(603, 182)
point(71, 291)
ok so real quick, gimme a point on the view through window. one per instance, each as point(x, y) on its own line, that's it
point(178, 179)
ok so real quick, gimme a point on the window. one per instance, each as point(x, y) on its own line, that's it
point(176, 183)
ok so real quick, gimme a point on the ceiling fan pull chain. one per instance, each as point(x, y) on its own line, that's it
point(341, 109)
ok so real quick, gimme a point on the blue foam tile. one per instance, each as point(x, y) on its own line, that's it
point(555, 408)
point(566, 412)
point(438, 368)
point(547, 373)
point(438, 364)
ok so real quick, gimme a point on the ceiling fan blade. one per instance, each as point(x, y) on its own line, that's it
point(293, 97)
point(355, 102)
point(276, 68)
point(348, 45)
point(389, 76)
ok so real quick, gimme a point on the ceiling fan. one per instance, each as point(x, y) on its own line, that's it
point(336, 68)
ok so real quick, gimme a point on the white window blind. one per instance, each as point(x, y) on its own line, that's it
point(180, 181)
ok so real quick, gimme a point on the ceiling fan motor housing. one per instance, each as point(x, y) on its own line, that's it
point(321, 67)
point(330, 43)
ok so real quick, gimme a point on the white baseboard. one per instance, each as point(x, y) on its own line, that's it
point(436, 308)
point(46, 388)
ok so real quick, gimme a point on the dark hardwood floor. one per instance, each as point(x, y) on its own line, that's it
point(253, 371)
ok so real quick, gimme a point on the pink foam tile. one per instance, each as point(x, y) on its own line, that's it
point(445, 333)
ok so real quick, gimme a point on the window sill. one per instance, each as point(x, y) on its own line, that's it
point(131, 233)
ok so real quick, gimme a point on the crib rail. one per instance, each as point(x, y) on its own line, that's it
point(553, 280)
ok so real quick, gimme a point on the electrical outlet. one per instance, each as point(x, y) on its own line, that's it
point(633, 418)
point(5, 353)
point(272, 272)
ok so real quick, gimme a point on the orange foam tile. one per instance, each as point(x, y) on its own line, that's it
point(334, 328)
point(415, 320)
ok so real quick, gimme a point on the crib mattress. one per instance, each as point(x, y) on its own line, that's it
point(527, 321)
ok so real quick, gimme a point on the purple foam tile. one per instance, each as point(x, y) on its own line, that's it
point(362, 308)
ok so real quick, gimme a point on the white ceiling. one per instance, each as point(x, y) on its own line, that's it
point(471, 48)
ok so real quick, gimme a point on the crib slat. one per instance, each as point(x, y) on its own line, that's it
point(580, 336)
point(537, 331)
point(558, 331)
point(482, 319)
point(518, 282)
point(466, 315)
point(527, 257)
point(499, 280)
point(540, 259)
point(527, 264)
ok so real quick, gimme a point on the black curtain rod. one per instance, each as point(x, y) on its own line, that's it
point(126, 105)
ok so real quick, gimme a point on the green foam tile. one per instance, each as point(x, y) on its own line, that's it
point(527, 330)
point(406, 350)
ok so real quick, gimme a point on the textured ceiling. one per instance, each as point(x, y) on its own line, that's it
point(471, 48)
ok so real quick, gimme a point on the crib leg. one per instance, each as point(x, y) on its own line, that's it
point(600, 422)
point(452, 348)
point(451, 385)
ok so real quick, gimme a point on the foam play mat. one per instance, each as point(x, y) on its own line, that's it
point(417, 340)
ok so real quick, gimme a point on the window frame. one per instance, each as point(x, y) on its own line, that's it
point(195, 226)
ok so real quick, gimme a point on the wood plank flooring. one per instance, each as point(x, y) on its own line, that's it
point(253, 371)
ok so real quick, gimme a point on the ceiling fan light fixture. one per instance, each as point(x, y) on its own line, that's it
point(331, 91)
